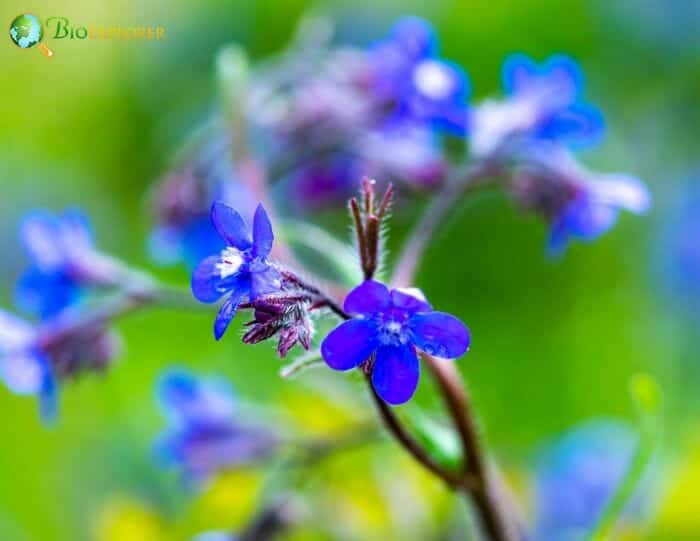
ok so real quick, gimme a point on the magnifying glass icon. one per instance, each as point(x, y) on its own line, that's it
point(26, 32)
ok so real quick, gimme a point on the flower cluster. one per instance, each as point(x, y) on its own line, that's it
point(65, 344)
point(205, 433)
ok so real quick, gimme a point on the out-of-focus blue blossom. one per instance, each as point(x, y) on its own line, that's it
point(34, 358)
point(575, 202)
point(544, 102)
point(391, 325)
point(325, 182)
point(408, 71)
point(242, 269)
point(678, 254)
point(63, 262)
point(405, 153)
point(577, 475)
point(184, 232)
point(204, 435)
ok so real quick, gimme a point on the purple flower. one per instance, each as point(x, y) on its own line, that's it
point(577, 475)
point(390, 326)
point(63, 262)
point(594, 208)
point(544, 103)
point(425, 88)
point(204, 435)
point(575, 202)
point(33, 359)
point(404, 152)
point(241, 270)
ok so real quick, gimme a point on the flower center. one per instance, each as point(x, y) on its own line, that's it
point(392, 332)
point(231, 261)
point(433, 80)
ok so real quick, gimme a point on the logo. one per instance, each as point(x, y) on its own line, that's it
point(26, 32)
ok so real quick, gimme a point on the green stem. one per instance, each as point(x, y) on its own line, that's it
point(626, 489)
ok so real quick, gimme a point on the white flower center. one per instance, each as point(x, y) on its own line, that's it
point(231, 261)
point(433, 80)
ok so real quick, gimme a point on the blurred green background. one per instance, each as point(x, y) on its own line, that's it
point(554, 343)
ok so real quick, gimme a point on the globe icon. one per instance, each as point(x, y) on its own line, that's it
point(26, 31)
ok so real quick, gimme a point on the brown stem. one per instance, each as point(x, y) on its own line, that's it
point(485, 496)
point(401, 435)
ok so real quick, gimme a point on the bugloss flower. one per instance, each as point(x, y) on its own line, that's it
point(544, 103)
point(407, 70)
point(241, 270)
point(577, 475)
point(575, 202)
point(64, 261)
point(205, 435)
point(34, 358)
point(389, 326)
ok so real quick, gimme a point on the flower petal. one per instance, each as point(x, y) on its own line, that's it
point(15, 333)
point(183, 398)
point(228, 310)
point(40, 234)
point(517, 70)
point(440, 334)
point(230, 226)
point(350, 344)
point(76, 233)
point(23, 373)
point(622, 191)
point(48, 395)
point(411, 300)
point(264, 282)
point(395, 373)
point(207, 283)
point(45, 293)
point(262, 233)
point(368, 298)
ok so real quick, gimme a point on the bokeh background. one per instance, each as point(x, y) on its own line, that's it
point(554, 342)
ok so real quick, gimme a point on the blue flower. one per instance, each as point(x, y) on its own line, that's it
point(241, 270)
point(390, 326)
point(577, 475)
point(545, 103)
point(594, 207)
point(63, 261)
point(204, 435)
point(24, 367)
point(424, 87)
point(33, 359)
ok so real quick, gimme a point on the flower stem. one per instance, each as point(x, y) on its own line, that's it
point(463, 180)
point(484, 495)
point(399, 432)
